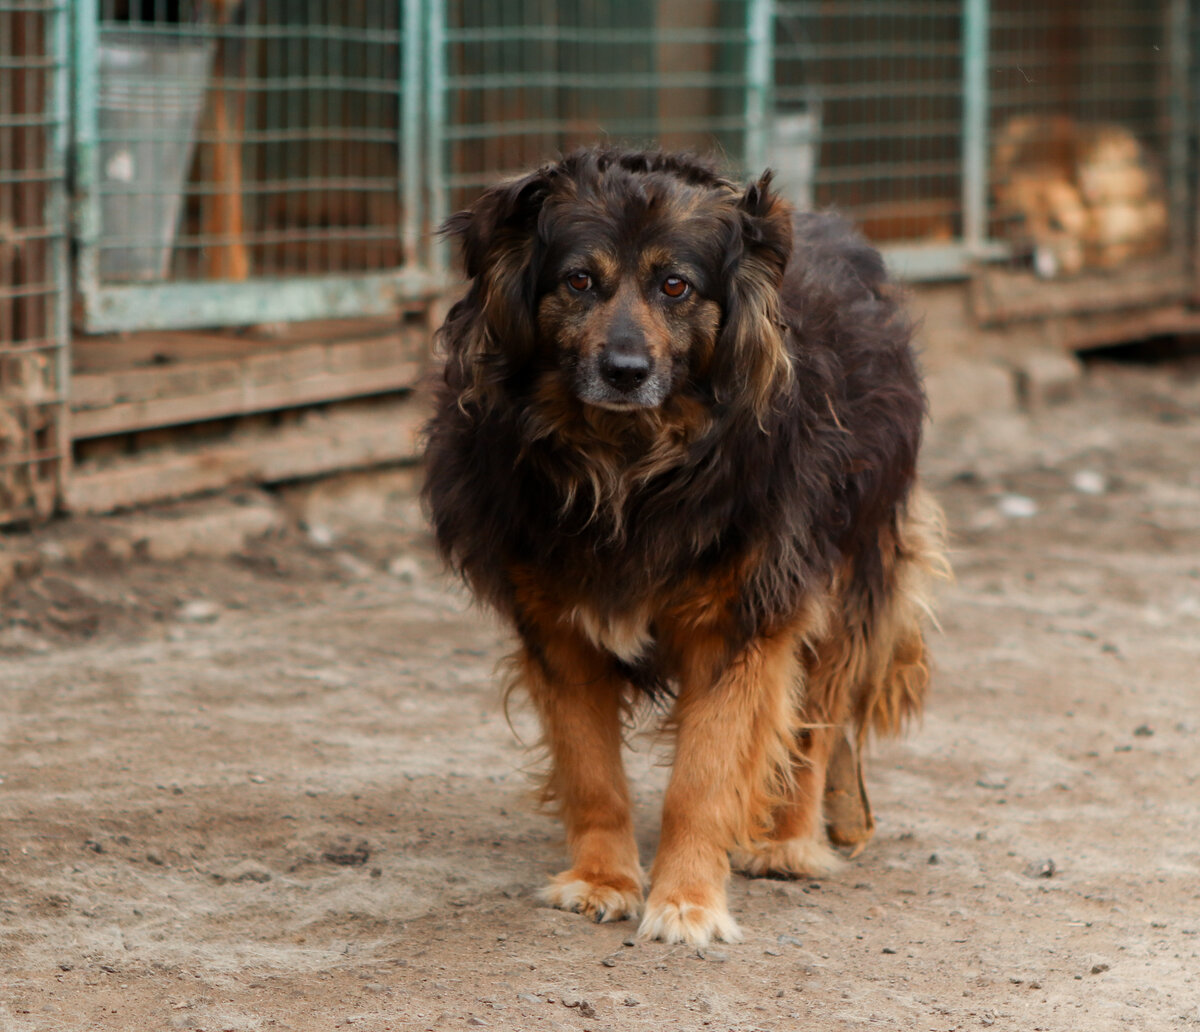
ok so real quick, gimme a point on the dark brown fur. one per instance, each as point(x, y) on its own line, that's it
point(739, 533)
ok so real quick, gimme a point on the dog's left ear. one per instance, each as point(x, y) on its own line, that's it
point(752, 359)
point(493, 325)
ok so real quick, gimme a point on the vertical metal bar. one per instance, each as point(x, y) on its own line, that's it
point(57, 217)
point(435, 13)
point(1179, 121)
point(410, 142)
point(760, 16)
point(975, 124)
point(86, 210)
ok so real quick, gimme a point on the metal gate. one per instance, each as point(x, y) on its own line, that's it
point(247, 161)
point(34, 280)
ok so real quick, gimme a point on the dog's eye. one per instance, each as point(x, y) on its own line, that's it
point(675, 287)
point(579, 281)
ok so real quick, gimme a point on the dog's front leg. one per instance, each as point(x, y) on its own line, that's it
point(733, 730)
point(579, 700)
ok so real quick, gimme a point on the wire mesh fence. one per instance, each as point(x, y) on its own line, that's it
point(1089, 124)
point(517, 82)
point(33, 255)
point(871, 92)
point(226, 141)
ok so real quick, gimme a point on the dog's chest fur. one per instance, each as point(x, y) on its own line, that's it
point(625, 635)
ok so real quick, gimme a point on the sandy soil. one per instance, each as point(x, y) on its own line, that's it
point(277, 791)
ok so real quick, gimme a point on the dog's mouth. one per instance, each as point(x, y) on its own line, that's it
point(595, 386)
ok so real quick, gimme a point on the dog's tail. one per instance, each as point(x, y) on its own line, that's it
point(895, 665)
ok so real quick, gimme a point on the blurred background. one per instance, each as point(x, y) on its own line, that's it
point(217, 259)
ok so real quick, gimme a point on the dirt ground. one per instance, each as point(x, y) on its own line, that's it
point(277, 790)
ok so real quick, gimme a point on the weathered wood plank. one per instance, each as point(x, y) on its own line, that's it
point(323, 443)
point(265, 379)
point(1009, 295)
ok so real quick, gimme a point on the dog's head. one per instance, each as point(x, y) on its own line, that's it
point(624, 278)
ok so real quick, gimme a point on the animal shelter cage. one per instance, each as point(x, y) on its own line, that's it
point(246, 161)
point(33, 255)
point(227, 146)
point(516, 82)
point(231, 201)
point(1092, 182)
point(1050, 138)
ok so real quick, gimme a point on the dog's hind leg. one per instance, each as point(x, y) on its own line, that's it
point(797, 844)
point(867, 670)
point(580, 702)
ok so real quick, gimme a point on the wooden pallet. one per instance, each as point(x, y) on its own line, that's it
point(155, 380)
point(322, 442)
point(165, 415)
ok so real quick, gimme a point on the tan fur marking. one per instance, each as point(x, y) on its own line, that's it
point(626, 636)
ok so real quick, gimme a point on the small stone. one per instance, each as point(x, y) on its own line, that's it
point(934, 859)
point(199, 610)
point(632, 1001)
point(992, 780)
point(1089, 482)
point(354, 567)
point(405, 569)
point(246, 871)
point(1143, 730)
point(888, 950)
point(1015, 506)
point(1047, 377)
point(477, 1022)
point(716, 956)
point(1041, 869)
point(609, 961)
point(320, 535)
point(346, 854)
point(1099, 969)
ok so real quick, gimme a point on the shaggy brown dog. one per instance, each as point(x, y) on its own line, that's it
point(676, 448)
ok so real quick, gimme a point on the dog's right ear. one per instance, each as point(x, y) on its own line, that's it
point(493, 326)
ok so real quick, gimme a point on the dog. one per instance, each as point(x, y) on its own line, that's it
point(675, 446)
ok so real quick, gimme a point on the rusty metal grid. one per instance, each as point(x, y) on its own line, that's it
point(247, 161)
point(33, 256)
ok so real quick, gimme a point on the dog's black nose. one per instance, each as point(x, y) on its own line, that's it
point(624, 370)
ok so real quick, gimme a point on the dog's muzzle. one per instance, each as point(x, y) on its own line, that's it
point(623, 375)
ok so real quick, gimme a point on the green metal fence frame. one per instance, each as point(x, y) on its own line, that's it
point(756, 109)
point(425, 189)
point(107, 308)
point(957, 259)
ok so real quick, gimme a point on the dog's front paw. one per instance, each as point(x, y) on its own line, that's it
point(792, 858)
point(688, 917)
point(602, 898)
